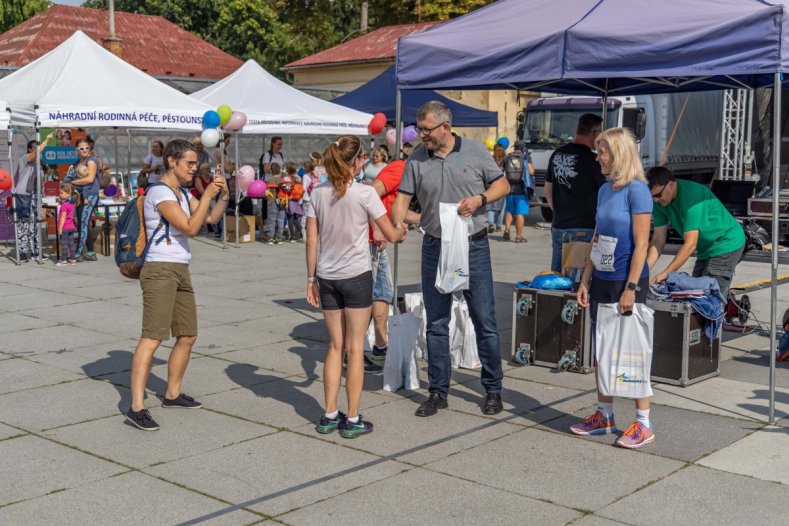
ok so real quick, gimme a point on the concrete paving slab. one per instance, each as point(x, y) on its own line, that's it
point(7, 432)
point(279, 402)
point(182, 434)
point(225, 338)
point(20, 374)
point(58, 283)
point(761, 455)
point(41, 466)
point(754, 368)
point(111, 501)
point(680, 434)
point(702, 496)
point(279, 480)
point(547, 375)
point(544, 465)
point(724, 397)
point(12, 322)
point(108, 292)
point(594, 520)
point(93, 360)
point(287, 357)
point(67, 403)
point(405, 499)
point(292, 324)
point(40, 298)
point(525, 403)
point(14, 288)
point(402, 436)
point(104, 314)
point(225, 310)
point(204, 375)
point(48, 339)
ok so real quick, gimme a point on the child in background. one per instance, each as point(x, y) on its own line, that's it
point(275, 220)
point(66, 226)
point(293, 192)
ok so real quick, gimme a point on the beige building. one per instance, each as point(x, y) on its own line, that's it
point(346, 66)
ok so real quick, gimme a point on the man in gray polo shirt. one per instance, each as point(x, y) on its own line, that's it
point(446, 169)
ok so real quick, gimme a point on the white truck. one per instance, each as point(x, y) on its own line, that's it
point(680, 130)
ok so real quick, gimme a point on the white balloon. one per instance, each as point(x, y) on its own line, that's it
point(210, 137)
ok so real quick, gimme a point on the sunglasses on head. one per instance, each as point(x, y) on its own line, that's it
point(84, 148)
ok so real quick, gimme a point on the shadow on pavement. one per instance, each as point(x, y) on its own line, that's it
point(120, 361)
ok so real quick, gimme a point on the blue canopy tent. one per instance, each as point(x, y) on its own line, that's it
point(613, 47)
point(378, 95)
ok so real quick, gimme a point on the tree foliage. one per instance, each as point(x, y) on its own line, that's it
point(14, 12)
point(275, 32)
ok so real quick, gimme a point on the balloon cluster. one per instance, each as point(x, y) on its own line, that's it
point(409, 134)
point(223, 117)
point(502, 141)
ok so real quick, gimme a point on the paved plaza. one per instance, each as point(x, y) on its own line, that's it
point(252, 456)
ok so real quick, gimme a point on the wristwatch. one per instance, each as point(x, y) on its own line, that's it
point(633, 286)
point(484, 199)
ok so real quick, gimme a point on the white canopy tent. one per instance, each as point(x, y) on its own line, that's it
point(81, 84)
point(272, 106)
point(5, 116)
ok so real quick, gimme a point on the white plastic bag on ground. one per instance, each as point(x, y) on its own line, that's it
point(400, 369)
point(623, 348)
point(416, 306)
point(452, 274)
point(462, 336)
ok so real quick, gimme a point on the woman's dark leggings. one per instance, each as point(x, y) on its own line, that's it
point(85, 211)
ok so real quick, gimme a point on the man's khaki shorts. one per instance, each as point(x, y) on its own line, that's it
point(168, 301)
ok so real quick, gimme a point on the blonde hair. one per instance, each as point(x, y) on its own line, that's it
point(625, 160)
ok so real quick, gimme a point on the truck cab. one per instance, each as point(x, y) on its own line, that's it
point(673, 130)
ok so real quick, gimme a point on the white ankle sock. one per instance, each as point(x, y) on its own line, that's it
point(607, 408)
point(354, 420)
point(642, 415)
point(332, 416)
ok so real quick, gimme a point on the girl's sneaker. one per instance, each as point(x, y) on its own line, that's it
point(358, 429)
point(61, 263)
point(72, 261)
point(327, 425)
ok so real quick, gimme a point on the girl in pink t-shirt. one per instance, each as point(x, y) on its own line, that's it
point(66, 227)
point(340, 279)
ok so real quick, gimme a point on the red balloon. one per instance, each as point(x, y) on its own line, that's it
point(377, 124)
point(5, 180)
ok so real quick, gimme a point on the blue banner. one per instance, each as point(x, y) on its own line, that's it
point(60, 155)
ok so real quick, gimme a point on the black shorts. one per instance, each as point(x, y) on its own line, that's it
point(603, 291)
point(350, 293)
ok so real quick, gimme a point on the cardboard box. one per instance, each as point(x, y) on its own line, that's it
point(98, 242)
point(246, 227)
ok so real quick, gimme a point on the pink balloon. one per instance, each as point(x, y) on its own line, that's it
point(236, 122)
point(246, 174)
point(257, 188)
point(391, 136)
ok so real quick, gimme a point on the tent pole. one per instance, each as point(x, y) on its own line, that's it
point(13, 191)
point(227, 176)
point(774, 266)
point(117, 164)
point(238, 196)
point(398, 155)
point(605, 106)
point(39, 192)
point(128, 158)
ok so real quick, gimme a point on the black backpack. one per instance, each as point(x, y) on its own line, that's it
point(131, 241)
point(513, 168)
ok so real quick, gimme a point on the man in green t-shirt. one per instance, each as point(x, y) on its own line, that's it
point(706, 227)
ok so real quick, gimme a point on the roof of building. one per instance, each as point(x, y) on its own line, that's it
point(377, 45)
point(150, 43)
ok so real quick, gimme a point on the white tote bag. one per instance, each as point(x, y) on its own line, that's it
point(462, 336)
point(452, 274)
point(400, 369)
point(623, 348)
point(415, 305)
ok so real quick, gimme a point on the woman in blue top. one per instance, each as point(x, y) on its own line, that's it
point(88, 188)
point(618, 255)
